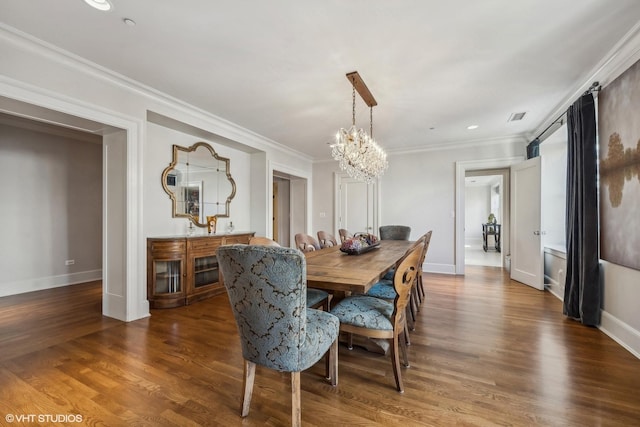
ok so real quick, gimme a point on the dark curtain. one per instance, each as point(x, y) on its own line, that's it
point(533, 149)
point(582, 285)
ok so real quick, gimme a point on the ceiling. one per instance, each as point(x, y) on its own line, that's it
point(278, 68)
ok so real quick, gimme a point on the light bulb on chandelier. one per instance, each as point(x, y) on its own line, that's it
point(358, 154)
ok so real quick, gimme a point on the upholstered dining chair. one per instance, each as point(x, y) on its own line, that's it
point(326, 240)
point(316, 298)
point(344, 235)
point(306, 243)
point(376, 318)
point(394, 232)
point(267, 291)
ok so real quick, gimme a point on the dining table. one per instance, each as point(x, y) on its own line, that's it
point(342, 273)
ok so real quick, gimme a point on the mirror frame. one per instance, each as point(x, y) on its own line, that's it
point(176, 150)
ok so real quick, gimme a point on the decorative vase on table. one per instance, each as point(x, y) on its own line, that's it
point(360, 244)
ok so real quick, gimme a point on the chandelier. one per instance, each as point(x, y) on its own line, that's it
point(358, 153)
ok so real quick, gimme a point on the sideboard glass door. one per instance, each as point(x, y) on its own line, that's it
point(205, 270)
point(168, 275)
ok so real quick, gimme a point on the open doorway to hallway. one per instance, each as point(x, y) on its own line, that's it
point(483, 207)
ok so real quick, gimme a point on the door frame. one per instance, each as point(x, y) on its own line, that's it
point(338, 177)
point(123, 245)
point(461, 168)
point(300, 183)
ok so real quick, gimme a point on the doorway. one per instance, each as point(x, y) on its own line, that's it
point(289, 207)
point(462, 167)
point(484, 206)
point(281, 210)
point(122, 250)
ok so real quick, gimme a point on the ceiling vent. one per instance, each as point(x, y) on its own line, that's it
point(516, 117)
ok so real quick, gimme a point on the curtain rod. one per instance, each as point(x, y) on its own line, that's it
point(595, 87)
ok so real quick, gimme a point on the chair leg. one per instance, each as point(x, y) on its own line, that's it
point(295, 400)
point(415, 299)
point(407, 340)
point(350, 341)
point(410, 323)
point(249, 377)
point(421, 288)
point(332, 363)
point(403, 349)
point(395, 361)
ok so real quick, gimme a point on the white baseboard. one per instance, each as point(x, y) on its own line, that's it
point(620, 332)
point(439, 268)
point(610, 325)
point(41, 283)
point(554, 287)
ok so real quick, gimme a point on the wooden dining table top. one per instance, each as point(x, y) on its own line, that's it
point(332, 270)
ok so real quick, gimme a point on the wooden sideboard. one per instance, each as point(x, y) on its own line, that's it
point(182, 270)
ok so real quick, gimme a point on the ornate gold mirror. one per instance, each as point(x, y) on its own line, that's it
point(199, 183)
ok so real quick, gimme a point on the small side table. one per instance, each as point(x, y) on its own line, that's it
point(489, 229)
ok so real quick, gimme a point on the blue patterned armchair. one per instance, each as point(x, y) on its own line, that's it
point(267, 291)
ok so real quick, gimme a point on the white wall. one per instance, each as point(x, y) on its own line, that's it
point(77, 87)
point(158, 221)
point(51, 209)
point(477, 208)
point(417, 190)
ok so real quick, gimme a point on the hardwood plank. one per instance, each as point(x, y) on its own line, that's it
point(486, 351)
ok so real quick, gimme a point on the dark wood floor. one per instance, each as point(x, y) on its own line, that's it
point(486, 351)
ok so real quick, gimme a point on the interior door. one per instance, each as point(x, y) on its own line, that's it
point(526, 247)
point(356, 206)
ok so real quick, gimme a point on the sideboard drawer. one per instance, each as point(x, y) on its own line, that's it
point(231, 240)
point(206, 243)
point(160, 246)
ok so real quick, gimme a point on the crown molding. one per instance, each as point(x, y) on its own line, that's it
point(452, 145)
point(623, 55)
point(224, 127)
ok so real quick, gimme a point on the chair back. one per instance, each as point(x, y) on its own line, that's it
point(263, 241)
point(344, 235)
point(306, 243)
point(326, 239)
point(427, 240)
point(395, 232)
point(267, 287)
point(403, 279)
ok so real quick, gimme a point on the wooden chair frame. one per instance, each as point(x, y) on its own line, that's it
point(404, 279)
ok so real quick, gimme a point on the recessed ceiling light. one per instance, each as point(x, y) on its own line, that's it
point(103, 5)
point(129, 22)
point(472, 127)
